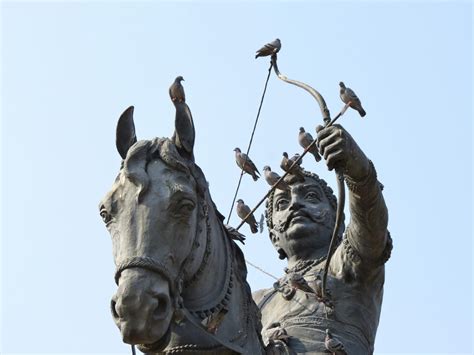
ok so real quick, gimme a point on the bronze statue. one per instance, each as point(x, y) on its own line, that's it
point(300, 225)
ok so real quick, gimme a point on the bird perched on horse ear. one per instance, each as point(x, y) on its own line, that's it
point(305, 139)
point(243, 211)
point(349, 97)
point(269, 49)
point(177, 91)
point(246, 164)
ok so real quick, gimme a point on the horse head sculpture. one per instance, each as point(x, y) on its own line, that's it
point(181, 278)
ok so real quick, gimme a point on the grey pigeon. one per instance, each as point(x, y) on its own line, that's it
point(184, 133)
point(305, 139)
point(269, 49)
point(177, 91)
point(295, 157)
point(243, 211)
point(286, 165)
point(297, 281)
point(271, 178)
point(349, 96)
point(276, 332)
point(334, 345)
point(245, 163)
point(234, 234)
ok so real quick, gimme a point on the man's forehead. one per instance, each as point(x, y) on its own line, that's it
point(301, 187)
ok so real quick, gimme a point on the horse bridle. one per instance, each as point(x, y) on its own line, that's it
point(175, 281)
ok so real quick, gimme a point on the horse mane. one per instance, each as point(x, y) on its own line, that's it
point(134, 167)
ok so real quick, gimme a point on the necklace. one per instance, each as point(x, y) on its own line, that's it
point(303, 266)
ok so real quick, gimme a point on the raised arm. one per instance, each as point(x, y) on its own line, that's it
point(366, 233)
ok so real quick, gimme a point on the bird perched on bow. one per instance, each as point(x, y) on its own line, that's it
point(297, 281)
point(349, 97)
point(177, 91)
point(243, 211)
point(305, 139)
point(334, 345)
point(286, 164)
point(269, 49)
point(245, 163)
point(272, 178)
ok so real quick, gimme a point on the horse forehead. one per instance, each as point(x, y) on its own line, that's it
point(175, 180)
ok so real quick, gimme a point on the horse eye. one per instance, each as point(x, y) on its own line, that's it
point(106, 217)
point(187, 206)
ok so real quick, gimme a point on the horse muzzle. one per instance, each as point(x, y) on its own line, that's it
point(142, 306)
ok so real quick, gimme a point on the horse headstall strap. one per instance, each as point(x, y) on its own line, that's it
point(148, 264)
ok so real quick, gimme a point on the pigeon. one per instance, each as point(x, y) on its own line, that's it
point(245, 163)
point(276, 332)
point(215, 320)
point(305, 139)
point(287, 163)
point(177, 91)
point(271, 178)
point(234, 234)
point(243, 211)
point(184, 133)
point(334, 345)
point(297, 281)
point(269, 49)
point(317, 286)
point(349, 97)
point(295, 157)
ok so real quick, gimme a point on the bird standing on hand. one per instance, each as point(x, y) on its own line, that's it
point(269, 49)
point(305, 139)
point(243, 211)
point(349, 97)
point(272, 178)
point(246, 164)
point(177, 91)
point(334, 345)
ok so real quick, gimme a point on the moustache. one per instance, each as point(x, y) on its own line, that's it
point(320, 217)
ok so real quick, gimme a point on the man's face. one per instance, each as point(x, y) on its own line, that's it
point(303, 217)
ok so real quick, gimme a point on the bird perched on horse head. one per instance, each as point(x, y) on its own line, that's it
point(177, 91)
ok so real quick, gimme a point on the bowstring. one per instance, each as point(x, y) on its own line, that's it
point(250, 143)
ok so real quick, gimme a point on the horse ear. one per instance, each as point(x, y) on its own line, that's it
point(125, 136)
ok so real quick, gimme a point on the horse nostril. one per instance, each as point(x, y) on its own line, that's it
point(162, 309)
point(113, 308)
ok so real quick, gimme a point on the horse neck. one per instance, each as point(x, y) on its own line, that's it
point(222, 284)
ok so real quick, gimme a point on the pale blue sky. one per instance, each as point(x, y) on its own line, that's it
point(70, 69)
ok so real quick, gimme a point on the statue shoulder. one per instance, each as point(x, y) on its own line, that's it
point(261, 296)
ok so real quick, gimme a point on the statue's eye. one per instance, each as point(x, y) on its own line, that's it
point(282, 204)
point(106, 217)
point(312, 196)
